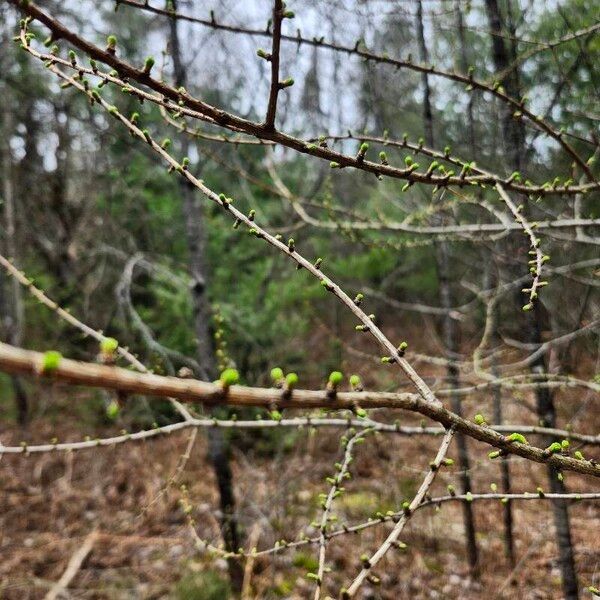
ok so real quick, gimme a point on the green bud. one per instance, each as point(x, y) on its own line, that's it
point(355, 381)
point(276, 374)
point(51, 361)
point(291, 380)
point(554, 447)
point(229, 377)
point(479, 419)
point(108, 345)
point(335, 378)
point(517, 437)
point(111, 42)
point(148, 64)
point(112, 410)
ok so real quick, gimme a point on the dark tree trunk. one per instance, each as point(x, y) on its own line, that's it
point(219, 451)
point(424, 56)
point(507, 515)
point(512, 130)
point(514, 143)
point(450, 329)
point(547, 414)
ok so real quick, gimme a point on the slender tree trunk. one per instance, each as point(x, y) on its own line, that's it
point(424, 57)
point(512, 130)
point(507, 515)
point(219, 450)
point(514, 142)
point(464, 67)
point(450, 329)
point(509, 547)
point(547, 414)
point(11, 306)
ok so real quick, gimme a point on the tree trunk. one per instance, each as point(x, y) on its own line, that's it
point(464, 67)
point(196, 239)
point(450, 329)
point(11, 301)
point(507, 516)
point(514, 143)
point(509, 547)
point(547, 414)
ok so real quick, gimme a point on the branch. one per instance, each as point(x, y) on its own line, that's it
point(335, 490)
point(358, 50)
point(273, 58)
point(185, 103)
point(27, 362)
point(296, 422)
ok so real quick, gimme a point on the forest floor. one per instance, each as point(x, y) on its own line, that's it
point(143, 546)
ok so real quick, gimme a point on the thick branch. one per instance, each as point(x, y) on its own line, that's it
point(27, 362)
point(235, 123)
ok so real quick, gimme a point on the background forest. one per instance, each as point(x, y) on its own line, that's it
point(95, 219)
